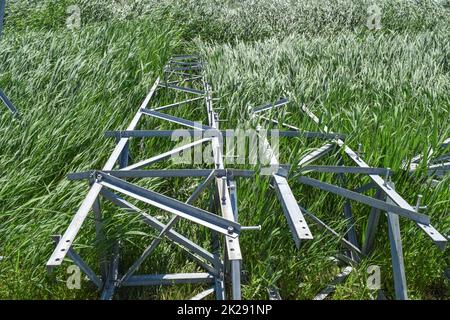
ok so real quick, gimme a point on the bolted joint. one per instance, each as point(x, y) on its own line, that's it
point(387, 178)
point(224, 190)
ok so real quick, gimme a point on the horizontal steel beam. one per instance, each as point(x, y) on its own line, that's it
point(177, 120)
point(410, 214)
point(168, 279)
point(197, 215)
point(163, 133)
point(191, 68)
point(343, 169)
point(184, 89)
point(211, 133)
point(166, 173)
point(269, 106)
point(308, 134)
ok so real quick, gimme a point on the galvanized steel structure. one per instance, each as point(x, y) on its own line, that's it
point(185, 73)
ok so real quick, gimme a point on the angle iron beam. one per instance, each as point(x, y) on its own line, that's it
point(161, 133)
point(440, 159)
point(344, 169)
point(192, 68)
point(193, 78)
point(176, 104)
point(269, 106)
point(351, 232)
point(177, 120)
point(278, 123)
point(184, 89)
point(197, 215)
point(308, 134)
point(397, 254)
point(235, 264)
point(232, 244)
point(123, 141)
point(168, 279)
point(294, 216)
point(173, 173)
point(316, 154)
point(67, 239)
point(81, 264)
point(410, 214)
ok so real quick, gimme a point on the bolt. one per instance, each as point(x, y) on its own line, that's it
point(224, 186)
point(419, 199)
point(387, 178)
point(230, 230)
point(359, 150)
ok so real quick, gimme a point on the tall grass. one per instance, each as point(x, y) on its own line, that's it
point(387, 90)
point(233, 20)
point(70, 87)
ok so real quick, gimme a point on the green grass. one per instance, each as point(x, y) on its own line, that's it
point(387, 90)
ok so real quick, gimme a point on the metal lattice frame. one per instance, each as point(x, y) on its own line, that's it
point(386, 199)
point(437, 167)
point(3, 96)
point(222, 217)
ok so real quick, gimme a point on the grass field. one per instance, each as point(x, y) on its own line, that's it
point(387, 89)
